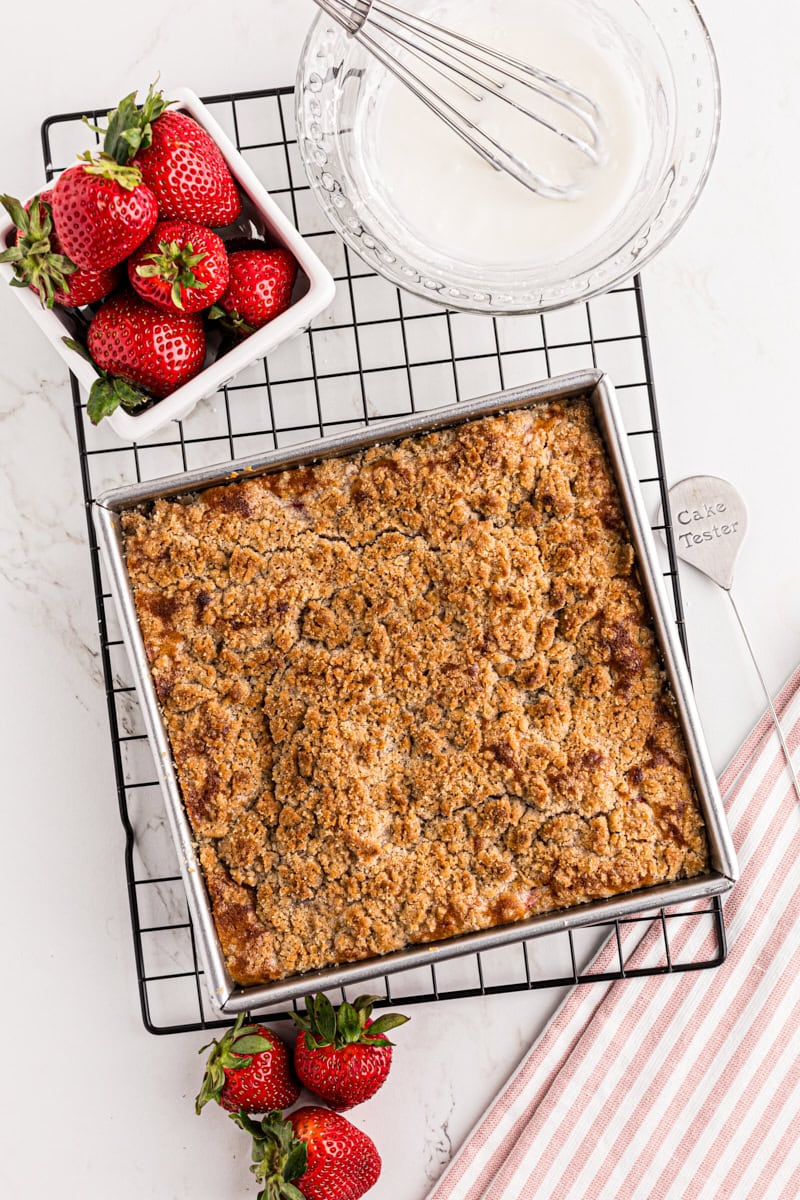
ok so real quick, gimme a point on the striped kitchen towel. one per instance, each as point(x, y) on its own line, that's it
point(685, 1087)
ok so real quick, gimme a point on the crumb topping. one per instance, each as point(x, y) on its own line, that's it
point(413, 693)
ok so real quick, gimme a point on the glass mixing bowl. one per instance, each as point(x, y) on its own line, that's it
point(679, 84)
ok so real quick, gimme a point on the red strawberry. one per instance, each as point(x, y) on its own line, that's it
point(248, 1070)
point(187, 172)
point(102, 212)
point(313, 1154)
point(181, 265)
point(40, 263)
point(178, 160)
point(259, 289)
point(342, 1055)
point(101, 208)
point(134, 342)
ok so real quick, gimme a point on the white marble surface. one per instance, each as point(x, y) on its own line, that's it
point(94, 1105)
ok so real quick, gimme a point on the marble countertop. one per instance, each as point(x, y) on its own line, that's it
point(114, 1101)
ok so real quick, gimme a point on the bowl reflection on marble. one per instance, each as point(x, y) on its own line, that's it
point(340, 95)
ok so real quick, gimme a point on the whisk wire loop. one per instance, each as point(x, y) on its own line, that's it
point(398, 38)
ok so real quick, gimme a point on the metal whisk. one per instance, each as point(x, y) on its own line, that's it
point(425, 55)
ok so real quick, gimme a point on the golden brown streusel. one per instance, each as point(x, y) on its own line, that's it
point(413, 692)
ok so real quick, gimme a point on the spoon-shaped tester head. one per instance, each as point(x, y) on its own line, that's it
point(709, 523)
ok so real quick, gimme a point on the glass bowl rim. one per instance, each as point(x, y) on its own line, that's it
point(433, 295)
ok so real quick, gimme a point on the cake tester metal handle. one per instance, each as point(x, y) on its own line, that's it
point(709, 520)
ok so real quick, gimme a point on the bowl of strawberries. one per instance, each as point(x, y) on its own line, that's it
point(160, 267)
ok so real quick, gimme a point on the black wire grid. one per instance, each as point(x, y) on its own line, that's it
point(376, 353)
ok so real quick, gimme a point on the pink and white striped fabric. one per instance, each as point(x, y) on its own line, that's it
point(685, 1087)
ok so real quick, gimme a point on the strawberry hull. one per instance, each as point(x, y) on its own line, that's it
point(313, 293)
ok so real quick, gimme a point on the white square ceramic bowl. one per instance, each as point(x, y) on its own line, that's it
point(313, 277)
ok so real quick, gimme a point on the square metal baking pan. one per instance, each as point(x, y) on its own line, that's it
point(231, 998)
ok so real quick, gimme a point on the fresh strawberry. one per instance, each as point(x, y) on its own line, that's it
point(40, 263)
point(180, 266)
point(187, 172)
point(101, 208)
point(341, 1054)
point(259, 289)
point(248, 1070)
point(144, 346)
point(313, 1154)
point(102, 212)
point(178, 160)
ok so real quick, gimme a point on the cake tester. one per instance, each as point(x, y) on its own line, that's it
point(709, 523)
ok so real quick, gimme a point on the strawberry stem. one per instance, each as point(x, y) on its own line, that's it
point(35, 264)
point(278, 1156)
point(129, 127)
point(174, 264)
point(106, 166)
point(324, 1025)
point(230, 321)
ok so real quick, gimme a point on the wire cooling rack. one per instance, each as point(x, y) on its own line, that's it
point(376, 353)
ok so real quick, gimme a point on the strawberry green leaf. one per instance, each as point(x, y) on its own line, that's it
point(128, 177)
point(244, 1030)
point(279, 1189)
point(385, 1023)
point(349, 1023)
point(108, 394)
point(231, 1053)
point(213, 1084)
point(251, 1044)
point(39, 222)
point(290, 1192)
point(35, 264)
point(302, 1022)
point(324, 1018)
point(325, 1026)
point(278, 1156)
point(173, 264)
point(247, 1124)
point(366, 1003)
point(129, 127)
point(79, 349)
point(103, 400)
point(296, 1161)
point(60, 262)
point(231, 321)
point(15, 210)
point(233, 1062)
point(130, 397)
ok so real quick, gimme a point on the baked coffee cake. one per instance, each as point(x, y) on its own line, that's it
point(413, 692)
